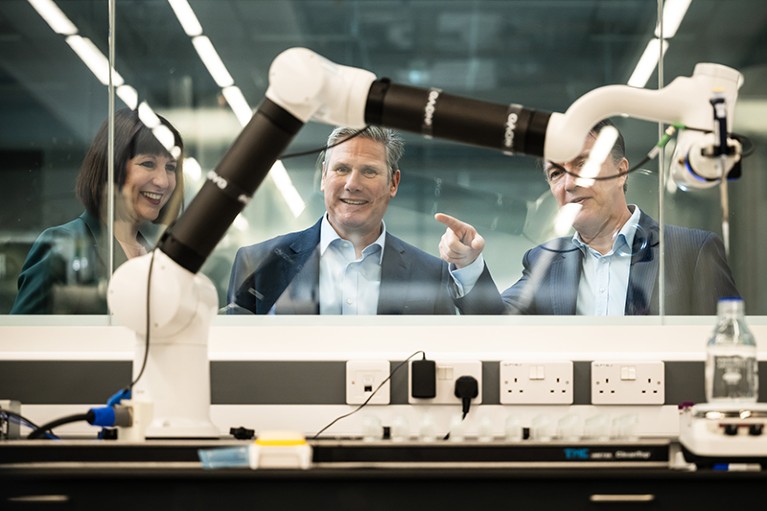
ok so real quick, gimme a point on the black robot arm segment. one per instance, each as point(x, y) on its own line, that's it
point(230, 186)
point(433, 113)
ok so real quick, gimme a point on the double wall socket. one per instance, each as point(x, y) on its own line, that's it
point(447, 372)
point(363, 377)
point(628, 383)
point(536, 382)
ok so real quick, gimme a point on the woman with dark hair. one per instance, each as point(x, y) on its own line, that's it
point(66, 270)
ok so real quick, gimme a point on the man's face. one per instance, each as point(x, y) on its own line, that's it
point(602, 201)
point(357, 188)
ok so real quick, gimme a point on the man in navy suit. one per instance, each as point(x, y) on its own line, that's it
point(610, 266)
point(347, 262)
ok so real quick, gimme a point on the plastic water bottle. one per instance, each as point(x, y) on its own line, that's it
point(731, 366)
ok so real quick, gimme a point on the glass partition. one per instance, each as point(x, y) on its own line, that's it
point(203, 65)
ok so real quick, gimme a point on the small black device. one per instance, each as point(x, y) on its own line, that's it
point(423, 383)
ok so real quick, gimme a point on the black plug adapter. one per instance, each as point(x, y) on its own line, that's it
point(466, 388)
point(424, 379)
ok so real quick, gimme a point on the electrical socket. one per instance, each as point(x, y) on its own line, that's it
point(536, 382)
point(363, 377)
point(628, 383)
point(447, 372)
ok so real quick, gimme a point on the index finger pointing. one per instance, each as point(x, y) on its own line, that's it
point(449, 221)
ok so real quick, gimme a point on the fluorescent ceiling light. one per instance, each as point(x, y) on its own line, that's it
point(192, 169)
point(162, 133)
point(647, 63)
point(241, 223)
point(52, 15)
point(673, 14)
point(94, 59)
point(238, 104)
point(563, 222)
point(284, 184)
point(147, 115)
point(599, 151)
point(212, 61)
point(129, 96)
point(186, 17)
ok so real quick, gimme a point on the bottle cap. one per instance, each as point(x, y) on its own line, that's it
point(730, 305)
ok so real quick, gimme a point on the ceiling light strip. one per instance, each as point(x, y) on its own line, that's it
point(673, 14)
point(98, 64)
point(647, 62)
point(186, 17)
point(233, 95)
point(52, 15)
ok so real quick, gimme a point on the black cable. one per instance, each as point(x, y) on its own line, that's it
point(148, 323)
point(324, 148)
point(37, 433)
point(670, 132)
point(20, 418)
point(605, 178)
point(89, 416)
point(371, 394)
point(748, 149)
point(466, 389)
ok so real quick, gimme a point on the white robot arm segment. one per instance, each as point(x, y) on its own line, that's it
point(311, 87)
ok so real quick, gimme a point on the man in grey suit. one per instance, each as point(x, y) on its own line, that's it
point(610, 266)
point(347, 262)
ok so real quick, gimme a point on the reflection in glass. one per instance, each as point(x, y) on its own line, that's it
point(67, 269)
point(611, 265)
point(540, 54)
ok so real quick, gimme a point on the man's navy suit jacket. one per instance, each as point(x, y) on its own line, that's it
point(696, 274)
point(284, 272)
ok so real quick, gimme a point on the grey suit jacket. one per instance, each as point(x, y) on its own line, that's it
point(284, 272)
point(696, 274)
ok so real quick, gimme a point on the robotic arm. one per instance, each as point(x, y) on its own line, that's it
point(305, 86)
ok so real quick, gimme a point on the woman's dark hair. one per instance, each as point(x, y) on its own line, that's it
point(132, 137)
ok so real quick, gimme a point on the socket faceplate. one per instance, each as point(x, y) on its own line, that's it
point(363, 377)
point(536, 382)
point(628, 383)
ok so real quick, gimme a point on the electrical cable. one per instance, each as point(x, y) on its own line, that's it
point(670, 133)
point(466, 388)
point(21, 420)
point(324, 148)
point(371, 394)
point(42, 430)
point(95, 415)
point(148, 322)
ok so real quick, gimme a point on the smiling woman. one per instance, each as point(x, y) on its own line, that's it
point(67, 268)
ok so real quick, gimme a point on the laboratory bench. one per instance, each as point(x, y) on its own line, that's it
point(357, 475)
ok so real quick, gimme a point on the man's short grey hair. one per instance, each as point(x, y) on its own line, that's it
point(392, 141)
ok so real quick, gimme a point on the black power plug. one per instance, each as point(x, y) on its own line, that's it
point(466, 388)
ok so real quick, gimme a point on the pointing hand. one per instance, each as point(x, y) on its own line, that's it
point(461, 244)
